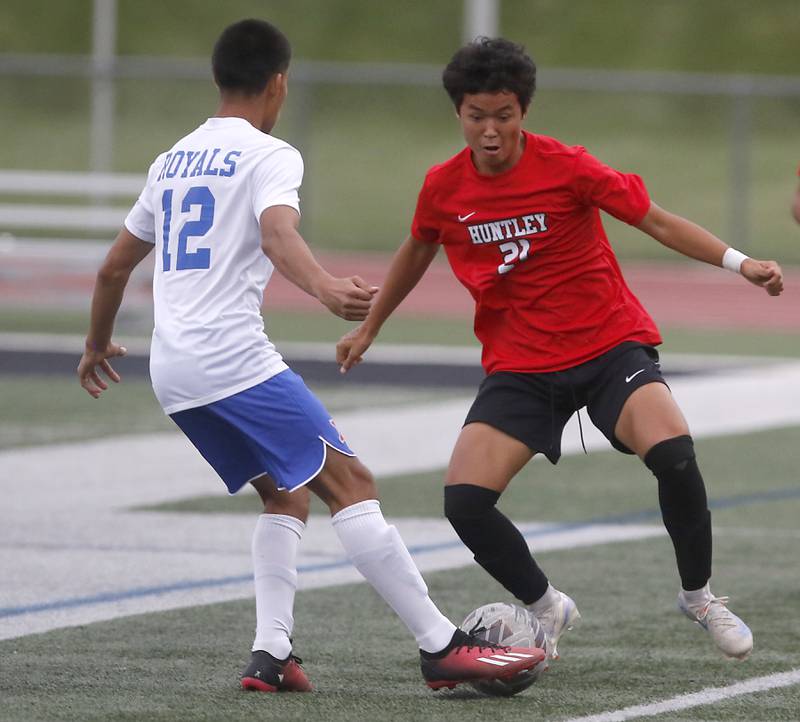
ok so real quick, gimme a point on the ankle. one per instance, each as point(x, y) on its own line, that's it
point(460, 637)
point(697, 597)
point(547, 600)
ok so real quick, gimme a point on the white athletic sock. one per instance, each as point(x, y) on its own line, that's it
point(698, 597)
point(547, 600)
point(275, 542)
point(378, 552)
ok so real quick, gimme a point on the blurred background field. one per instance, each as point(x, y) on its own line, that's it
point(727, 158)
point(701, 99)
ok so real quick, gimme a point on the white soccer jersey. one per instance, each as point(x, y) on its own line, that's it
point(200, 207)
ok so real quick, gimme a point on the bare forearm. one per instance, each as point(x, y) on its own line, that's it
point(293, 259)
point(683, 236)
point(407, 268)
point(123, 256)
point(691, 240)
point(108, 292)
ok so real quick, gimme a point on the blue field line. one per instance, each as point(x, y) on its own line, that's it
point(529, 533)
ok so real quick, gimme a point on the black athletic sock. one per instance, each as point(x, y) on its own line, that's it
point(497, 545)
point(684, 508)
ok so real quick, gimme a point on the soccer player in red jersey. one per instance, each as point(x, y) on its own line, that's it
point(518, 215)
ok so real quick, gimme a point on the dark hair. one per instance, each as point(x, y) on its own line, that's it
point(247, 54)
point(490, 65)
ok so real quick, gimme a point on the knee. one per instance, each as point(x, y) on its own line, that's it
point(681, 489)
point(344, 483)
point(362, 482)
point(670, 454)
point(295, 503)
point(463, 502)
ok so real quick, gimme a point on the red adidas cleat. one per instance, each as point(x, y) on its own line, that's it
point(468, 658)
point(267, 674)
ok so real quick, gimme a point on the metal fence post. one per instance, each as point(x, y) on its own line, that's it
point(104, 41)
point(481, 17)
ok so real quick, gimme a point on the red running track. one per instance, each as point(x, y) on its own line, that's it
point(678, 295)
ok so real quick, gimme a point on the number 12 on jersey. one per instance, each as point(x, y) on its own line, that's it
point(200, 258)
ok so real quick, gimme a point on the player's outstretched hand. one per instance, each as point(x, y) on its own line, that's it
point(92, 362)
point(766, 274)
point(349, 298)
point(351, 347)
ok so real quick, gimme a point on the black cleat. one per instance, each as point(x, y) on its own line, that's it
point(267, 674)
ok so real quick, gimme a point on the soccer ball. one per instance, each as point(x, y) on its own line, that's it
point(511, 626)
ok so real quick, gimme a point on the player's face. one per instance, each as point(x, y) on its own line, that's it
point(492, 127)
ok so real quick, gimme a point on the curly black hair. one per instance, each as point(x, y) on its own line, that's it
point(490, 65)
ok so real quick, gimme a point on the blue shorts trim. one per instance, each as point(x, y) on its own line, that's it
point(277, 427)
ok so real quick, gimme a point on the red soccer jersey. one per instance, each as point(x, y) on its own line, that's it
point(530, 247)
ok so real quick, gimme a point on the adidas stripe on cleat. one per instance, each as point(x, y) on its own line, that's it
point(469, 659)
point(265, 673)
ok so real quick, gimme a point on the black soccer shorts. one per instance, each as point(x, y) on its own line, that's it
point(535, 407)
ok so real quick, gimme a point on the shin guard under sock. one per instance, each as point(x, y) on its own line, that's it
point(684, 507)
point(497, 545)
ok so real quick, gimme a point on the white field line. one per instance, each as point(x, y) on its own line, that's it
point(706, 696)
point(65, 531)
point(95, 581)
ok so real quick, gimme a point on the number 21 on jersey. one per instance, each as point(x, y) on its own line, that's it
point(514, 252)
point(185, 259)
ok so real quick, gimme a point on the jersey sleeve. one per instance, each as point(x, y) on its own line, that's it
point(277, 179)
point(424, 226)
point(623, 195)
point(141, 219)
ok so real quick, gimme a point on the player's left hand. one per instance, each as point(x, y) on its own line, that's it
point(766, 274)
point(94, 360)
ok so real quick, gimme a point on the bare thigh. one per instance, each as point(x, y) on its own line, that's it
point(649, 416)
point(485, 456)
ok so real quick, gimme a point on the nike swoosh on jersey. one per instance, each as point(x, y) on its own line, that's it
point(630, 378)
point(461, 218)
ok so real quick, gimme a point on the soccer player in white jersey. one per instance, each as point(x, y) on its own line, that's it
point(221, 209)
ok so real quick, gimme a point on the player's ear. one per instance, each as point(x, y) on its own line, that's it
point(278, 85)
point(272, 84)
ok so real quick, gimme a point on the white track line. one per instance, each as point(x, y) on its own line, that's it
point(68, 534)
point(697, 699)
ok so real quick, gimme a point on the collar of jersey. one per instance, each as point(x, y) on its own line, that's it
point(217, 122)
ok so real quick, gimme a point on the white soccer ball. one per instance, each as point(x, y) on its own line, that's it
point(511, 626)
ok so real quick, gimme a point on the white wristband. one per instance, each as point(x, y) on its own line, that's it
point(733, 259)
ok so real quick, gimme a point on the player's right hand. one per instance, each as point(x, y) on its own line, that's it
point(94, 359)
point(351, 347)
point(350, 298)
